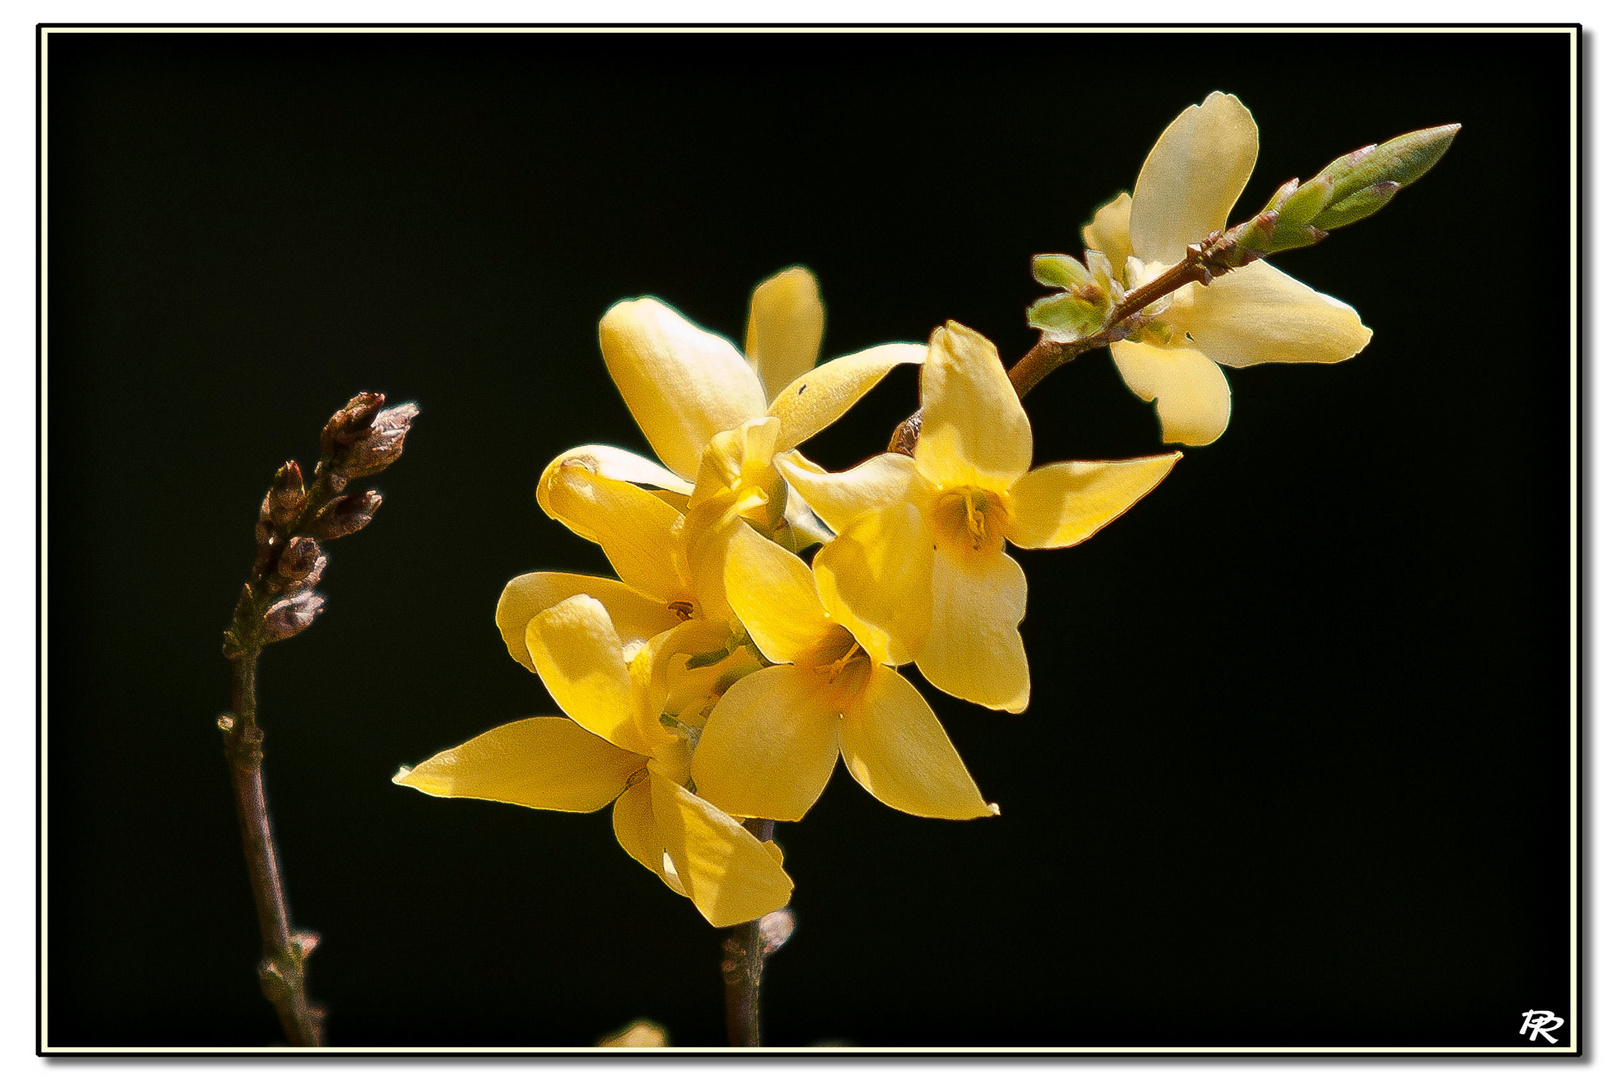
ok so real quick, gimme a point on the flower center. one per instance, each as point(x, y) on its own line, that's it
point(969, 520)
point(844, 665)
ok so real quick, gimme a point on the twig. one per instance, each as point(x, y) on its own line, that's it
point(278, 601)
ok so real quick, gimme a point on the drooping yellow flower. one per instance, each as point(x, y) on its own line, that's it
point(1185, 191)
point(685, 386)
point(633, 709)
point(920, 552)
point(771, 743)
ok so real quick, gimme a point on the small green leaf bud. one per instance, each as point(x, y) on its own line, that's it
point(1061, 272)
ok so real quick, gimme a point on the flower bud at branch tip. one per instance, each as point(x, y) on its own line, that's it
point(383, 445)
point(350, 423)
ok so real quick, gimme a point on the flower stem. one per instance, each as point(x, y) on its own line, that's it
point(281, 971)
point(742, 966)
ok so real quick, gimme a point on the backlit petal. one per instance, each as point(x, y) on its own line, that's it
point(1192, 395)
point(898, 751)
point(841, 497)
point(770, 745)
point(546, 762)
point(773, 594)
point(636, 616)
point(683, 384)
point(1108, 233)
point(974, 650)
point(784, 324)
point(1192, 178)
point(616, 464)
point(1259, 314)
point(1061, 504)
point(634, 527)
point(806, 528)
point(876, 578)
point(811, 403)
point(581, 658)
point(973, 429)
point(727, 872)
point(636, 828)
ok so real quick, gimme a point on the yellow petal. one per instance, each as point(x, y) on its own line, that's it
point(544, 762)
point(636, 616)
point(1192, 178)
point(727, 872)
point(784, 324)
point(1258, 314)
point(811, 403)
point(1108, 233)
point(638, 1035)
point(634, 527)
point(1061, 504)
point(773, 594)
point(841, 497)
point(898, 751)
point(740, 458)
point(973, 429)
point(615, 464)
point(770, 745)
point(636, 828)
point(683, 385)
point(876, 579)
point(806, 528)
point(580, 656)
point(1192, 395)
point(973, 650)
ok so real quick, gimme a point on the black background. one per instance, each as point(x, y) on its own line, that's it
point(1296, 768)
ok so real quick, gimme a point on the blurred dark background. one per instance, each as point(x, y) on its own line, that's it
point(1296, 770)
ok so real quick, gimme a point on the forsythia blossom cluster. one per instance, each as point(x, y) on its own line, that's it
point(719, 676)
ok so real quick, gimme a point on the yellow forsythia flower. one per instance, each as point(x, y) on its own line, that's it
point(769, 746)
point(920, 552)
point(1185, 191)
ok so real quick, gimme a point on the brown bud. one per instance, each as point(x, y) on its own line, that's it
point(291, 616)
point(383, 445)
point(286, 495)
point(350, 423)
point(345, 514)
point(300, 564)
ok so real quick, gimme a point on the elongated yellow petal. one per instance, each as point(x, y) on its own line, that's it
point(683, 385)
point(546, 762)
point(770, 745)
point(973, 429)
point(636, 616)
point(580, 656)
point(1061, 504)
point(1192, 178)
point(773, 594)
point(1192, 395)
point(1258, 314)
point(974, 650)
point(809, 404)
point(727, 872)
point(1109, 232)
point(876, 579)
point(634, 527)
point(898, 751)
point(841, 497)
point(615, 464)
point(784, 324)
point(805, 528)
point(636, 828)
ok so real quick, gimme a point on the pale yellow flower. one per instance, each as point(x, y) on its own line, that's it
point(1185, 191)
point(685, 386)
point(771, 743)
point(636, 711)
point(920, 552)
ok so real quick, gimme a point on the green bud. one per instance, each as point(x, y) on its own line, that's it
point(1362, 203)
point(1065, 317)
point(1061, 272)
point(1307, 201)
